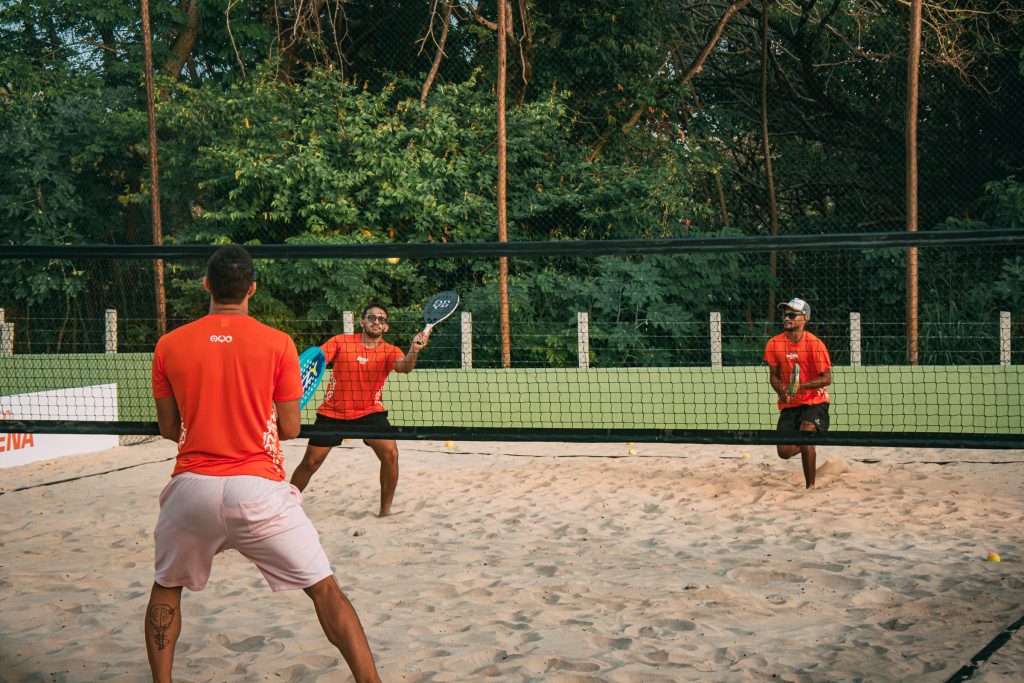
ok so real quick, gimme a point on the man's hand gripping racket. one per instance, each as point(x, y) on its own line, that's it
point(792, 389)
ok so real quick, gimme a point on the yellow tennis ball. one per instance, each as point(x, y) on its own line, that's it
point(994, 557)
point(632, 451)
point(745, 455)
point(394, 260)
point(449, 444)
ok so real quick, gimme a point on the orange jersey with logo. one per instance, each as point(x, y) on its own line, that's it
point(225, 373)
point(356, 387)
point(811, 354)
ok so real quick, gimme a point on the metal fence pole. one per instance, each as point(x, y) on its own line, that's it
point(1004, 337)
point(467, 340)
point(855, 340)
point(111, 331)
point(716, 339)
point(583, 338)
point(6, 339)
point(348, 322)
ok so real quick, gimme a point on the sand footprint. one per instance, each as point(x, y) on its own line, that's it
point(566, 665)
point(250, 644)
point(613, 643)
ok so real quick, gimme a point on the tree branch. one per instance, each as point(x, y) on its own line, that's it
point(715, 37)
point(446, 20)
point(185, 42)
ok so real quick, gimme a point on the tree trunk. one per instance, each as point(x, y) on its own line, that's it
point(185, 42)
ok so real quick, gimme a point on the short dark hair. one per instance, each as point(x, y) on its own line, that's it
point(374, 304)
point(229, 273)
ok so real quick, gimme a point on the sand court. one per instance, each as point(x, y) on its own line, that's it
point(547, 562)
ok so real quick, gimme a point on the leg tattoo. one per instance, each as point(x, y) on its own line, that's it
point(160, 618)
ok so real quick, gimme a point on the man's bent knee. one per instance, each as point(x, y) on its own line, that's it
point(313, 459)
point(787, 451)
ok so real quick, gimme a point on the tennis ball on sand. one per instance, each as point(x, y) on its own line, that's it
point(632, 451)
point(393, 260)
point(449, 444)
point(745, 455)
point(994, 557)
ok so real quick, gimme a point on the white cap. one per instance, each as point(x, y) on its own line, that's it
point(798, 305)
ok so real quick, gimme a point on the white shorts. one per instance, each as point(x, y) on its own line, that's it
point(202, 515)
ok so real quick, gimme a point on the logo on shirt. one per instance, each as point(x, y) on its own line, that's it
point(792, 356)
point(221, 338)
point(362, 360)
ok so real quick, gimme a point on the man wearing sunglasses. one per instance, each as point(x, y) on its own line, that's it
point(800, 369)
point(362, 363)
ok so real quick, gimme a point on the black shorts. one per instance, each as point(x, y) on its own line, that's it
point(790, 418)
point(378, 421)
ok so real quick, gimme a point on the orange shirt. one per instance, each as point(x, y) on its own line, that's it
point(225, 373)
point(814, 360)
point(356, 387)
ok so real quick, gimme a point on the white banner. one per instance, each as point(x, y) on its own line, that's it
point(95, 403)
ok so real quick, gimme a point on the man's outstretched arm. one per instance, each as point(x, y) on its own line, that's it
point(408, 364)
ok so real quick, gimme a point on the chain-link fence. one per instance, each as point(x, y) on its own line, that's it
point(629, 336)
point(376, 123)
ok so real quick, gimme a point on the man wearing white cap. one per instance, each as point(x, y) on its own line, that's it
point(800, 370)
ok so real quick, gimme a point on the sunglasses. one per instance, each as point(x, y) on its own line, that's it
point(790, 315)
point(371, 318)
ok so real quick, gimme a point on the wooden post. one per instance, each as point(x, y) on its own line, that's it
point(913, 63)
point(154, 174)
point(506, 326)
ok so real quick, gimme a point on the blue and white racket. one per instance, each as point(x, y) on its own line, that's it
point(311, 367)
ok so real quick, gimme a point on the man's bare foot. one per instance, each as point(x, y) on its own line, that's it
point(389, 513)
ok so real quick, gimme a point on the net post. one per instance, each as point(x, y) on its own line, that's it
point(467, 340)
point(716, 339)
point(1004, 337)
point(6, 339)
point(854, 340)
point(348, 322)
point(1, 315)
point(583, 338)
point(111, 331)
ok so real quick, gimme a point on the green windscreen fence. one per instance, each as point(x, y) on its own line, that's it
point(628, 340)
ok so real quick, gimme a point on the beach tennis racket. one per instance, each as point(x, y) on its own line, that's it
point(794, 381)
point(440, 307)
point(311, 367)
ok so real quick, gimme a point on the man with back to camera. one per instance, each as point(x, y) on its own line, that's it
point(227, 390)
point(800, 369)
point(361, 365)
